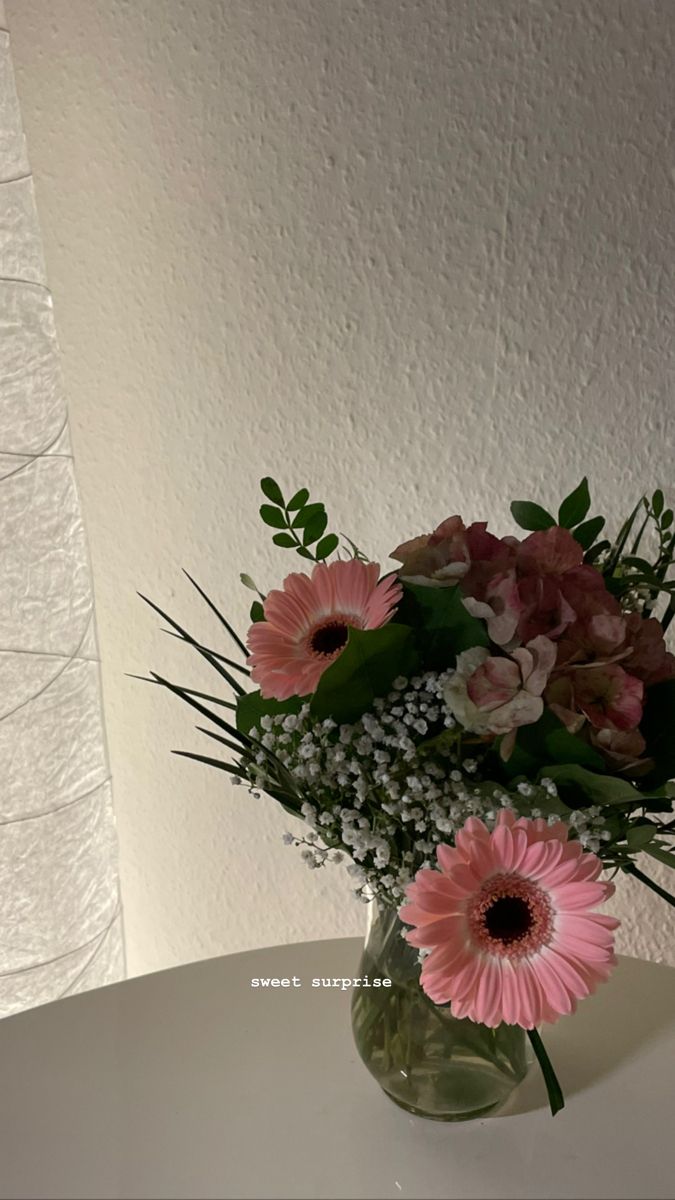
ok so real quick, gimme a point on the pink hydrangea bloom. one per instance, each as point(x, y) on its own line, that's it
point(440, 558)
point(544, 592)
point(498, 695)
point(608, 696)
point(508, 920)
point(623, 751)
point(647, 657)
point(602, 693)
point(307, 624)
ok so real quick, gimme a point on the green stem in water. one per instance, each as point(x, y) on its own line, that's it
point(631, 869)
point(555, 1096)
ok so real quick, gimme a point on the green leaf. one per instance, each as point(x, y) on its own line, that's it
point(305, 553)
point(667, 519)
point(577, 785)
point(306, 515)
point(631, 869)
point(284, 539)
point(657, 502)
point(443, 626)
point(251, 707)
point(548, 742)
point(622, 538)
point(299, 500)
point(531, 516)
point(595, 551)
point(658, 852)
point(575, 506)
point(366, 669)
point(586, 533)
point(640, 563)
point(248, 582)
point(257, 612)
point(638, 836)
point(327, 545)
point(314, 529)
point(657, 726)
point(555, 1097)
point(273, 516)
point(271, 489)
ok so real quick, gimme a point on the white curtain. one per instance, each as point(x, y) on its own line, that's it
point(60, 920)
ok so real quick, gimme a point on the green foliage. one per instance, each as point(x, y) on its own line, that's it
point(658, 729)
point(302, 525)
point(443, 626)
point(580, 787)
point(273, 516)
point(257, 612)
point(298, 500)
point(639, 835)
point(364, 670)
point(531, 516)
point(272, 490)
point(575, 506)
point(547, 741)
point(659, 852)
point(586, 533)
point(327, 545)
point(251, 707)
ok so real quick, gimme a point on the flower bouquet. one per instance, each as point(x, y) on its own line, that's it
point(486, 734)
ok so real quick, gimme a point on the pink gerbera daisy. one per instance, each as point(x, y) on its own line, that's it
point(307, 624)
point(509, 923)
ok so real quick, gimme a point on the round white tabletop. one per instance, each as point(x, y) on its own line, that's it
point(191, 1083)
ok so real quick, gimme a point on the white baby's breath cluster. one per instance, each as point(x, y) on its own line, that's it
point(387, 789)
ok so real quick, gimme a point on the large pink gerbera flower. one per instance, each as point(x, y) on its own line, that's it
point(307, 624)
point(509, 924)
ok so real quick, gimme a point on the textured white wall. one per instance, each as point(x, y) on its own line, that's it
point(415, 255)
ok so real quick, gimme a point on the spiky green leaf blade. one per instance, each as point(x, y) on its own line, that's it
point(216, 611)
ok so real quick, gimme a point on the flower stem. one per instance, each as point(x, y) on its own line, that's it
point(631, 869)
point(555, 1096)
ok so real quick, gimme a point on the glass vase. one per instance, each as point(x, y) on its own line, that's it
point(426, 1060)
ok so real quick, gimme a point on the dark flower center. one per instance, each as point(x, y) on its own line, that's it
point(508, 919)
point(329, 638)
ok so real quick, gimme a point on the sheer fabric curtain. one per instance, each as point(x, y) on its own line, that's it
point(60, 918)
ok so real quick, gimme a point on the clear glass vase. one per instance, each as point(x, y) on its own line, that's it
point(426, 1060)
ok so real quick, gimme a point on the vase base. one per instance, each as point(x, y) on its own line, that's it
point(447, 1117)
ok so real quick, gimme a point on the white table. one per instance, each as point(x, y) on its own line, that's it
point(189, 1083)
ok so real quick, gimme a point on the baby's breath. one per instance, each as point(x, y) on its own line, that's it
point(387, 789)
